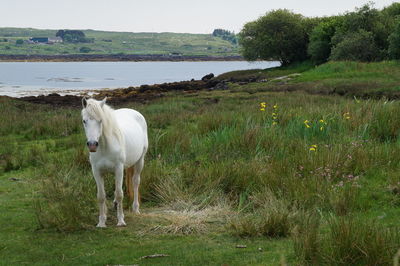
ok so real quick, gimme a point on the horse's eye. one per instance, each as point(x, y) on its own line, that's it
point(84, 121)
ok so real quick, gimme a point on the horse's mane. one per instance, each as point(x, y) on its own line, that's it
point(105, 114)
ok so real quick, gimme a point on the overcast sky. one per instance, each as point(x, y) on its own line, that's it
point(201, 16)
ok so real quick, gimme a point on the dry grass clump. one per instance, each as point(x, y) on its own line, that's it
point(187, 221)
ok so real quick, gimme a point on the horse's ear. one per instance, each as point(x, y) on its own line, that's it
point(103, 102)
point(84, 102)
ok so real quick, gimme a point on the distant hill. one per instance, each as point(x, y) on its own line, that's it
point(15, 41)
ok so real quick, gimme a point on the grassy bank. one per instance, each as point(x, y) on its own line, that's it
point(351, 79)
point(296, 177)
point(117, 43)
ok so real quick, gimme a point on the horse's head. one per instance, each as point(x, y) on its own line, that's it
point(91, 118)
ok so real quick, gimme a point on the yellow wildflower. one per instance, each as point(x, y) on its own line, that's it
point(306, 123)
point(274, 123)
point(346, 115)
point(263, 105)
point(313, 148)
point(275, 106)
point(323, 122)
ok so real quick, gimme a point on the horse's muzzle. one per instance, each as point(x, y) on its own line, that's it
point(92, 145)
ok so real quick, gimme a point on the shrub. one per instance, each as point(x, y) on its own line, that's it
point(358, 46)
point(85, 50)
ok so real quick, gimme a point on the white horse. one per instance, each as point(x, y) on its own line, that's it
point(117, 140)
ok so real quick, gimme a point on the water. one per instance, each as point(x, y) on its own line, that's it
point(19, 79)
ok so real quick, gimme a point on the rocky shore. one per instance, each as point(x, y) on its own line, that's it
point(113, 57)
point(141, 94)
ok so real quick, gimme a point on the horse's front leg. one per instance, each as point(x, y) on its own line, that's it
point(119, 194)
point(101, 197)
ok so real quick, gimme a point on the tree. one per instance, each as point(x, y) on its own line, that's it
point(392, 11)
point(358, 46)
point(367, 34)
point(221, 32)
point(225, 35)
point(74, 36)
point(368, 19)
point(366, 27)
point(363, 18)
point(390, 17)
point(19, 42)
point(250, 42)
point(320, 44)
point(60, 34)
point(394, 42)
point(279, 35)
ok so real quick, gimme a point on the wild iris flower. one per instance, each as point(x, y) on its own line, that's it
point(313, 148)
point(263, 105)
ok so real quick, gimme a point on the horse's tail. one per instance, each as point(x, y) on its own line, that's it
point(128, 183)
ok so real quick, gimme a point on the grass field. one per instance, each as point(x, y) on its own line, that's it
point(118, 43)
point(297, 176)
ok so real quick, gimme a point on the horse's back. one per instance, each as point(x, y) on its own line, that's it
point(126, 114)
point(134, 128)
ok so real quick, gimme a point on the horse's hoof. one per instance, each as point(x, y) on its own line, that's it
point(135, 209)
point(120, 224)
point(101, 225)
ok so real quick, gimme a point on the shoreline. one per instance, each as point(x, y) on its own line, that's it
point(143, 93)
point(114, 58)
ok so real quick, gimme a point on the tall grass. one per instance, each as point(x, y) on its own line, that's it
point(66, 200)
point(347, 241)
point(273, 176)
point(271, 217)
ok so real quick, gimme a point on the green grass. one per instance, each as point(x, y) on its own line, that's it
point(218, 174)
point(266, 74)
point(119, 43)
point(351, 79)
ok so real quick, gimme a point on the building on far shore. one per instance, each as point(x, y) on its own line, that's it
point(46, 40)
